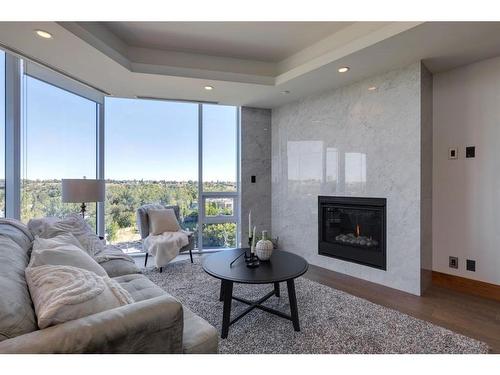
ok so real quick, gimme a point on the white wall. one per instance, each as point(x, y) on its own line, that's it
point(380, 131)
point(466, 192)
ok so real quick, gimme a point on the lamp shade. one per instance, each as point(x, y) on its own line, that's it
point(76, 190)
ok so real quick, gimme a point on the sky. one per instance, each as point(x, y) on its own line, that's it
point(144, 139)
point(153, 139)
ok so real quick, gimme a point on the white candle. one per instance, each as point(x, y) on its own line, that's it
point(250, 224)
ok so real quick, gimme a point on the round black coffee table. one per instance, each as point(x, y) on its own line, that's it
point(283, 266)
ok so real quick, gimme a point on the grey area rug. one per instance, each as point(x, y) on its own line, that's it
point(331, 321)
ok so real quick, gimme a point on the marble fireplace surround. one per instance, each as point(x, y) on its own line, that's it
point(353, 142)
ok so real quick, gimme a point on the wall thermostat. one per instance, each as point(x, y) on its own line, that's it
point(453, 153)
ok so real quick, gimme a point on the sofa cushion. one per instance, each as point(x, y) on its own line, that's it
point(17, 231)
point(64, 293)
point(139, 287)
point(63, 255)
point(17, 315)
point(74, 224)
point(61, 239)
point(119, 267)
point(199, 336)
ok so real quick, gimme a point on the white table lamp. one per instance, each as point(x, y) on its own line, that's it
point(82, 190)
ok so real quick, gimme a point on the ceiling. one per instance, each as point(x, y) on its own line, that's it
point(248, 63)
point(259, 41)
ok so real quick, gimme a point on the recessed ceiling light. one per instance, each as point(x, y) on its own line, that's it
point(209, 88)
point(344, 69)
point(285, 92)
point(372, 88)
point(43, 34)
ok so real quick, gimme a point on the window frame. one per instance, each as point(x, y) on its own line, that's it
point(13, 121)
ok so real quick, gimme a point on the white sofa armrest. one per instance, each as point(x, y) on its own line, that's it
point(151, 326)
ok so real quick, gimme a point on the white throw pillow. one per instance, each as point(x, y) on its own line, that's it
point(49, 252)
point(74, 224)
point(61, 239)
point(63, 293)
point(162, 220)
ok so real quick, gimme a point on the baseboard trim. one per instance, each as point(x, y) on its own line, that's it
point(461, 284)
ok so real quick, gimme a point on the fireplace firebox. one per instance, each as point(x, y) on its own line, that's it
point(353, 229)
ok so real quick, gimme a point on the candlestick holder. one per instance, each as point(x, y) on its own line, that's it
point(248, 256)
point(252, 261)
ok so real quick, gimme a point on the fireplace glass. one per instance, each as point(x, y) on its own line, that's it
point(353, 229)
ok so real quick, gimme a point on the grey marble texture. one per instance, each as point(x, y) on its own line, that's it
point(255, 161)
point(426, 179)
point(352, 142)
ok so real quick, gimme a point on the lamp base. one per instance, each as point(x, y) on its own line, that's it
point(83, 208)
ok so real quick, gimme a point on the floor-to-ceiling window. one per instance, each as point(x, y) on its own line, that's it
point(149, 151)
point(219, 174)
point(154, 155)
point(58, 141)
point(151, 157)
point(2, 133)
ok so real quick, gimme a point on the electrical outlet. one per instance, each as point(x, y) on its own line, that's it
point(453, 262)
point(471, 265)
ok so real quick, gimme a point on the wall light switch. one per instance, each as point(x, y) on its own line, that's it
point(470, 152)
point(453, 153)
point(253, 179)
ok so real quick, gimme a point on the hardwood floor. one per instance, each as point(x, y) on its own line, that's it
point(467, 314)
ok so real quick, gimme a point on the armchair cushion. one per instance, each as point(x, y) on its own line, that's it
point(163, 220)
point(143, 217)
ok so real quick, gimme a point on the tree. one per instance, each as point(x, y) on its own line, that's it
point(43, 198)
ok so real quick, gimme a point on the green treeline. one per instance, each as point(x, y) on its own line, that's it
point(43, 198)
